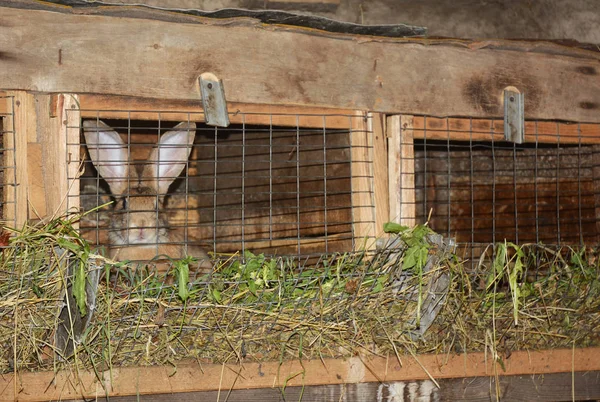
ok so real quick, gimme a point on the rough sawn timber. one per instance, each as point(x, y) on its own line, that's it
point(192, 377)
point(60, 51)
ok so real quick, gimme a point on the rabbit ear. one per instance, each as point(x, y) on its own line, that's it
point(168, 160)
point(108, 154)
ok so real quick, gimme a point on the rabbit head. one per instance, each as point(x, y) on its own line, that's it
point(138, 218)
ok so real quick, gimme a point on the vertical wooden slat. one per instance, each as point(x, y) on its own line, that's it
point(596, 178)
point(36, 184)
point(401, 162)
point(363, 208)
point(380, 171)
point(61, 152)
point(17, 129)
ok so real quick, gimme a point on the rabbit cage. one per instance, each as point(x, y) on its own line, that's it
point(492, 270)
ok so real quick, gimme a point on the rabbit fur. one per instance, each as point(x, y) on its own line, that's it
point(139, 228)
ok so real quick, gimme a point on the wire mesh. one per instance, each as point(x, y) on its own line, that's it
point(272, 183)
point(478, 189)
point(8, 179)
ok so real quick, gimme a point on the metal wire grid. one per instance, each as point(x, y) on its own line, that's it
point(278, 189)
point(8, 162)
point(480, 189)
point(282, 190)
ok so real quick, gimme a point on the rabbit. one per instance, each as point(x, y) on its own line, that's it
point(139, 228)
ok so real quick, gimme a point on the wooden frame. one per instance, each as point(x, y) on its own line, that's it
point(443, 77)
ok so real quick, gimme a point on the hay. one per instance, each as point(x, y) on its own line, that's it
point(256, 308)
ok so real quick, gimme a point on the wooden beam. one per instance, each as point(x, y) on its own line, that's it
point(402, 169)
point(127, 107)
point(380, 171)
point(17, 126)
point(542, 132)
point(546, 387)
point(59, 129)
point(596, 177)
point(56, 51)
point(190, 377)
point(363, 203)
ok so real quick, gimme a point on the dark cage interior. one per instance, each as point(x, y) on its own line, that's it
point(480, 189)
point(275, 189)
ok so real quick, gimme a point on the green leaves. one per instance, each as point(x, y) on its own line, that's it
point(392, 227)
point(508, 264)
point(182, 270)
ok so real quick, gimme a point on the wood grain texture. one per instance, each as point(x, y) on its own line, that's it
point(64, 52)
point(546, 387)
point(407, 172)
point(58, 125)
point(401, 169)
point(363, 202)
point(17, 128)
point(127, 107)
point(36, 182)
point(191, 377)
point(380, 171)
point(492, 130)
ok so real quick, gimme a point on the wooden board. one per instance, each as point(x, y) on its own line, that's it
point(380, 171)
point(401, 169)
point(545, 387)
point(191, 377)
point(18, 129)
point(540, 132)
point(60, 51)
point(127, 107)
point(363, 202)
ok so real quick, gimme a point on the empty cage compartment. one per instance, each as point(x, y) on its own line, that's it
point(276, 182)
point(473, 186)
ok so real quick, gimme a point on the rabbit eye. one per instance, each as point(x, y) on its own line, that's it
point(123, 202)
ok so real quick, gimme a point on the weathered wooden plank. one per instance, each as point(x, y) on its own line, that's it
point(17, 130)
point(542, 132)
point(407, 172)
point(596, 181)
point(36, 182)
point(58, 124)
point(127, 107)
point(58, 52)
point(190, 377)
point(380, 171)
point(402, 169)
point(546, 387)
point(363, 205)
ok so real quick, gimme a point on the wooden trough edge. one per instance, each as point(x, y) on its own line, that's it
point(579, 386)
point(56, 52)
point(192, 377)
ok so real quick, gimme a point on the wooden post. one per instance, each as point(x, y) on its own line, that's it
point(596, 178)
point(19, 126)
point(401, 166)
point(380, 171)
point(62, 152)
point(363, 204)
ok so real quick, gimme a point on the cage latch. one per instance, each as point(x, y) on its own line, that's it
point(514, 115)
point(213, 100)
